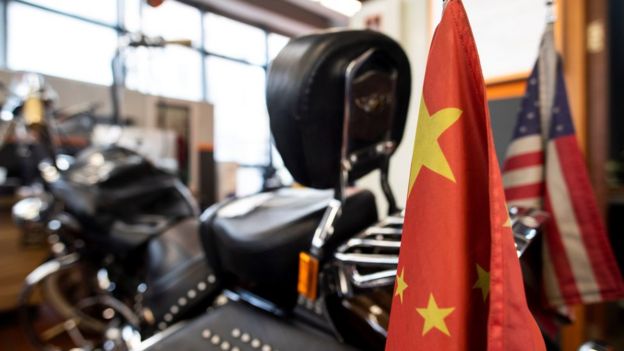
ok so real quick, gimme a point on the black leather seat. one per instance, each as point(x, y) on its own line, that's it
point(256, 240)
point(121, 200)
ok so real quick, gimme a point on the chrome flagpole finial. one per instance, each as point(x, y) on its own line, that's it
point(551, 15)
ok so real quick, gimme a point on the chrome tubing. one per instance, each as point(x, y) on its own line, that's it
point(376, 249)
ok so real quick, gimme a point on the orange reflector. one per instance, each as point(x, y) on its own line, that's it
point(308, 275)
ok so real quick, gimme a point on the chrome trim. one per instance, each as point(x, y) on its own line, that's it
point(526, 224)
point(343, 283)
point(374, 243)
point(383, 231)
point(50, 267)
point(156, 338)
point(373, 280)
point(393, 220)
point(594, 346)
point(345, 159)
point(377, 249)
point(368, 259)
point(326, 227)
point(364, 251)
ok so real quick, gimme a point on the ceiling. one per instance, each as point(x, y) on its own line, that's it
point(289, 17)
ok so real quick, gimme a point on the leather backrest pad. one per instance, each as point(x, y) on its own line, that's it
point(305, 100)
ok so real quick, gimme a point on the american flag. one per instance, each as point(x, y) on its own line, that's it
point(544, 168)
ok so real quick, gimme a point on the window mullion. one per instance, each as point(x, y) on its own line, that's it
point(3, 33)
point(121, 24)
point(204, 56)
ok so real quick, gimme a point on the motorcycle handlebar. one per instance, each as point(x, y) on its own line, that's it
point(30, 102)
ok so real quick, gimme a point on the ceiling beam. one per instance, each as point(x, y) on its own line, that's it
point(289, 17)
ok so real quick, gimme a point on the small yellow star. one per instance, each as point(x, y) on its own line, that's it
point(401, 285)
point(483, 281)
point(427, 151)
point(508, 221)
point(434, 316)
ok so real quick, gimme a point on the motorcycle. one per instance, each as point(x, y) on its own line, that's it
point(122, 235)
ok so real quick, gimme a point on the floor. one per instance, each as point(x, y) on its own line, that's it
point(11, 336)
point(16, 262)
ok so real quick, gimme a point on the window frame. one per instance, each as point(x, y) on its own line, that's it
point(121, 30)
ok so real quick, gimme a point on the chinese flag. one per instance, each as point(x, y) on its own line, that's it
point(459, 285)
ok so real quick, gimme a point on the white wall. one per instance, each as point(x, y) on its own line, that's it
point(407, 21)
point(507, 33)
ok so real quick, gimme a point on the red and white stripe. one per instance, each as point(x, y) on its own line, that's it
point(573, 256)
point(579, 250)
point(523, 172)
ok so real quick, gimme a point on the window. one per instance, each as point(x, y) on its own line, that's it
point(132, 15)
point(241, 120)
point(57, 44)
point(276, 43)
point(173, 20)
point(102, 10)
point(225, 64)
point(236, 76)
point(242, 41)
point(172, 71)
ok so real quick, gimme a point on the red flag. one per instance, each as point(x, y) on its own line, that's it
point(544, 168)
point(459, 285)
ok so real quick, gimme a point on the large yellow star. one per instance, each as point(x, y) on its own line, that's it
point(427, 151)
point(483, 281)
point(401, 285)
point(434, 316)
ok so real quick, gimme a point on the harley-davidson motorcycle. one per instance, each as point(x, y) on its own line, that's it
point(317, 274)
point(311, 268)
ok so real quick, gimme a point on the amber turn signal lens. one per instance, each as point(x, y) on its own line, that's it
point(308, 276)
